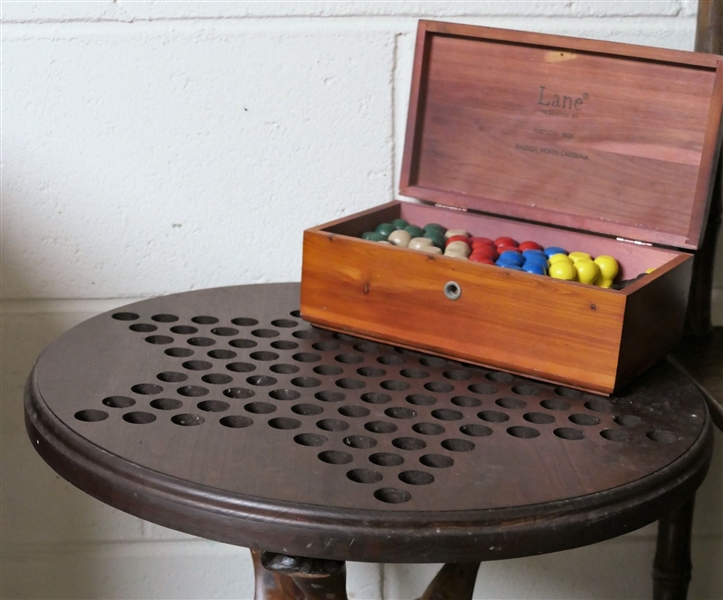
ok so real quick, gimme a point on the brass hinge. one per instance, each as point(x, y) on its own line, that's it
point(459, 208)
point(636, 242)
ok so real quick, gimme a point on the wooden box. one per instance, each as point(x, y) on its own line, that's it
point(594, 146)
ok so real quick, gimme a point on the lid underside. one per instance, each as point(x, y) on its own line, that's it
point(580, 136)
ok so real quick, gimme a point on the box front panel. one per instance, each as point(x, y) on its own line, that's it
point(534, 325)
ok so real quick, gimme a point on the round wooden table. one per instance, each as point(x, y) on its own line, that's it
point(222, 414)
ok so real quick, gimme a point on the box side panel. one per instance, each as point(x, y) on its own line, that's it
point(513, 321)
point(654, 318)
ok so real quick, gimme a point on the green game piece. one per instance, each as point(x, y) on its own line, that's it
point(385, 229)
point(368, 234)
point(436, 236)
point(435, 226)
point(400, 223)
point(375, 237)
point(414, 231)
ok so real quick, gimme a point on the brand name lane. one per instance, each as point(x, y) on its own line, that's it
point(560, 101)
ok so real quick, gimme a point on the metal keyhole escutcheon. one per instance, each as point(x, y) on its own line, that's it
point(452, 290)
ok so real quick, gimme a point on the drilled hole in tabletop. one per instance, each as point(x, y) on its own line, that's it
point(159, 339)
point(526, 389)
point(264, 355)
point(224, 331)
point(307, 357)
point(428, 428)
point(327, 396)
point(307, 409)
point(166, 404)
point(493, 416)
point(366, 347)
point(392, 496)
point(125, 316)
point(285, 323)
point(241, 367)
point(327, 346)
point(164, 318)
point(284, 423)
point(526, 433)
point(350, 384)
point(260, 408)
point(360, 442)
point(284, 369)
point(354, 411)
point(599, 405)
point(205, 320)
point(482, 388)
point(437, 461)
point(197, 365)
point(184, 329)
point(421, 399)
point(466, 401)
point(236, 421)
point(568, 392)
point(296, 313)
point(172, 377)
point(414, 373)
point(371, 372)
point(476, 430)
point(395, 385)
point(555, 404)
point(380, 427)
point(538, 418)
point(306, 334)
point(201, 341)
point(241, 343)
point(458, 374)
point(143, 327)
point(192, 391)
point(376, 398)
point(217, 378)
point(265, 333)
point(188, 420)
point(432, 361)
point(213, 405)
point(409, 443)
point(284, 394)
point(584, 419)
point(386, 459)
point(510, 403)
point(456, 445)
point(244, 322)
point(306, 382)
point(628, 420)
point(397, 412)
point(284, 345)
point(328, 370)
point(310, 439)
point(500, 377)
point(335, 457)
point(260, 380)
point(391, 359)
point(238, 393)
point(91, 415)
point(568, 433)
point(440, 387)
point(349, 359)
point(139, 418)
point(662, 436)
point(446, 414)
point(416, 477)
point(118, 401)
point(147, 389)
point(332, 425)
point(364, 475)
point(345, 338)
point(179, 352)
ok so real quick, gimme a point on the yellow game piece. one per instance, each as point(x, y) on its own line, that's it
point(650, 270)
point(575, 256)
point(555, 258)
point(563, 270)
point(608, 270)
point(587, 271)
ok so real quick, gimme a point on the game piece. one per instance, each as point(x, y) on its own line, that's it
point(559, 257)
point(367, 234)
point(481, 240)
point(400, 238)
point(430, 249)
point(533, 252)
point(414, 231)
point(530, 246)
point(509, 266)
point(575, 256)
point(435, 227)
point(505, 241)
point(400, 223)
point(503, 248)
point(587, 271)
point(534, 267)
point(563, 270)
point(459, 247)
point(418, 243)
point(373, 236)
point(485, 251)
point(554, 250)
point(457, 238)
point(481, 259)
point(385, 229)
point(510, 258)
point(608, 270)
point(454, 232)
point(436, 236)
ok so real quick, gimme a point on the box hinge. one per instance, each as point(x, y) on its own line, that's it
point(636, 242)
point(459, 208)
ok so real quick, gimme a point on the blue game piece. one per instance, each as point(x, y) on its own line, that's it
point(510, 258)
point(554, 250)
point(534, 267)
point(529, 253)
point(510, 266)
point(538, 260)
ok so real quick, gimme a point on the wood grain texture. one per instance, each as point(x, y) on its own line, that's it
point(613, 139)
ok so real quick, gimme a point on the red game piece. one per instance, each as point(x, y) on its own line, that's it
point(530, 246)
point(481, 259)
point(504, 248)
point(481, 240)
point(505, 241)
point(457, 238)
point(485, 251)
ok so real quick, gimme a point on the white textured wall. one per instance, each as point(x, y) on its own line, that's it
point(155, 147)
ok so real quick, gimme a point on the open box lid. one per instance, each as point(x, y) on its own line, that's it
point(598, 136)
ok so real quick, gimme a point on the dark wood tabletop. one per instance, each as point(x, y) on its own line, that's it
point(221, 413)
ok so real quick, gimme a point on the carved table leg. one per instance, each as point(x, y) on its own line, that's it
point(672, 566)
point(273, 586)
point(317, 579)
point(455, 581)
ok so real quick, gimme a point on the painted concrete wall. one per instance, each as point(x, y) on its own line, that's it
point(156, 147)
